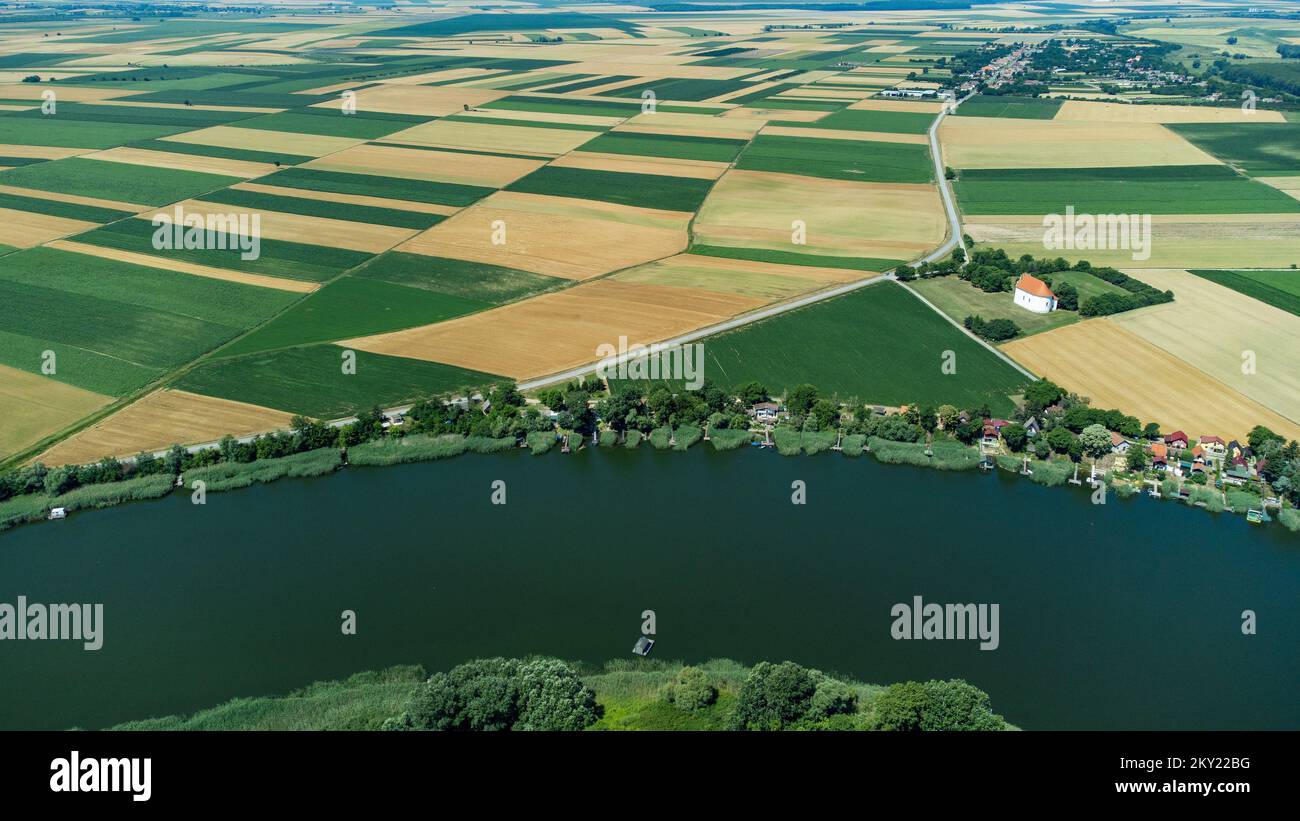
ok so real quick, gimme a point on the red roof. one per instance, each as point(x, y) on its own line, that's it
point(1211, 440)
point(1176, 436)
point(1034, 285)
point(1159, 452)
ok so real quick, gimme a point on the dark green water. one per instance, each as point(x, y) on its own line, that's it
point(1118, 616)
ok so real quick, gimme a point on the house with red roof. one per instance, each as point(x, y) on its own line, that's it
point(1032, 294)
point(1177, 439)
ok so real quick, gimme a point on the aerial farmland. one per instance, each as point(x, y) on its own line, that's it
point(466, 198)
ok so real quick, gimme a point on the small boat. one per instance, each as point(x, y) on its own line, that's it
point(643, 646)
point(1256, 517)
point(58, 513)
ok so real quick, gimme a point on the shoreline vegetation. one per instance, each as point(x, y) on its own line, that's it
point(942, 438)
point(547, 694)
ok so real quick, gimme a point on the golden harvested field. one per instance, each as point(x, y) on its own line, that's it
point(1288, 185)
point(1202, 241)
point(763, 280)
point(1003, 142)
point(23, 229)
point(540, 232)
point(538, 117)
point(433, 166)
point(431, 101)
point(1210, 326)
point(161, 419)
point(331, 233)
point(168, 263)
point(41, 152)
point(756, 209)
point(631, 164)
point(560, 330)
point(72, 94)
point(898, 105)
point(762, 115)
point(225, 136)
point(184, 162)
point(1116, 368)
point(1080, 111)
point(492, 137)
point(35, 406)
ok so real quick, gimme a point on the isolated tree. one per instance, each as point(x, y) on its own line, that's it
point(1015, 436)
point(1095, 440)
point(774, 696)
point(690, 690)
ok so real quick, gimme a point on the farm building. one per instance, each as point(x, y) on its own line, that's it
point(1032, 294)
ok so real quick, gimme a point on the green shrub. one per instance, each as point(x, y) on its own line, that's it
point(935, 706)
point(633, 439)
point(813, 442)
point(608, 438)
point(692, 689)
point(660, 437)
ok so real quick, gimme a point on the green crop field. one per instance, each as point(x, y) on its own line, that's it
point(839, 159)
point(959, 299)
point(78, 133)
point(114, 180)
point(280, 258)
point(1189, 189)
point(371, 185)
point(666, 145)
point(350, 307)
point(468, 280)
point(330, 123)
point(95, 371)
point(1281, 289)
point(1259, 149)
point(1025, 108)
point(880, 344)
point(795, 258)
point(67, 210)
point(257, 201)
point(898, 122)
point(642, 190)
point(310, 380)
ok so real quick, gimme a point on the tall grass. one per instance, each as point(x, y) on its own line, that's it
point(852, 444)
point(1242, 500)
point(415, 448)
point(728, 439)
point(687, 435)
point(34, 507)
point(633, 439)
point(608, 438)
point(30, 507)
point(788, 441)
point(361, 702)
point(660, 437)
point(232, 475)
point(1290, 519)
point(947, 454)
point(487, 444)
point(814, 442)
point(540, 441)
point(1211, 498)
point(1051, 474)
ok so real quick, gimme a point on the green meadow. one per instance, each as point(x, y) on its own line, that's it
point(146, 185)
point(70, 133)
point(1025, 108)
point(795, 258)
point(642, 190)
point(332, 123)
point(839, 159)
point(258, 201)
point(477, 281)
point(279, 258)
point(371, 185)
point(1259, 149)
point(1281, 289)
point(879, 343)
point(897, 122)
point(1179, 189)
point(676, 146)
point(310, 380)
point(350, 307)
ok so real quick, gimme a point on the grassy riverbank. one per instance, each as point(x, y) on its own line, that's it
point(629, 694)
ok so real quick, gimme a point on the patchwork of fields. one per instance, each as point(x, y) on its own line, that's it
point(451, 201)
point(453, 197)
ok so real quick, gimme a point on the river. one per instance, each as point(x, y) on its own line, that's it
point(1125, 615)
